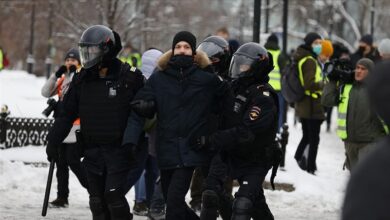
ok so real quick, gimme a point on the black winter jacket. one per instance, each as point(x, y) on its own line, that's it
point(185, 99)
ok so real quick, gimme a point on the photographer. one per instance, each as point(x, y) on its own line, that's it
point(69, 153)
point(358, 126)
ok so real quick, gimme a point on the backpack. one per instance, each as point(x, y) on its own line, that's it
point(292, 89)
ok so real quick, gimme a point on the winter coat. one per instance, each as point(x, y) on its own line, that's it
point(309, 107)
point(363, 125)
point(51, 88)
point(372, 55)
point(184, 99)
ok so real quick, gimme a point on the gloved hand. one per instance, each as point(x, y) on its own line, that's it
point(72, 69)
point(61, 71)
point(144, 108)
point(131, 150)
point(51, 152)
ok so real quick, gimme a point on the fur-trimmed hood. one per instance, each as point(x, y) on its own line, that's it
point(201, 59)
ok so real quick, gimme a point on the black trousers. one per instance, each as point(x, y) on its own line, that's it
point(107, 168)
point(69, 157)
point(251, 188)
point(311, 136)
point(175, 184)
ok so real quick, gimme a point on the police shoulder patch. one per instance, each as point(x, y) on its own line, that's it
point(254, 113)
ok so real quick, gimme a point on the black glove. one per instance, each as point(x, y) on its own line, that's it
point(61, 71)
point(144, 108)
point(131, 150)
point(72, 69)
point(51, 152)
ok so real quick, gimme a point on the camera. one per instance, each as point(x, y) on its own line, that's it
point(340, 70)
point(52, 105)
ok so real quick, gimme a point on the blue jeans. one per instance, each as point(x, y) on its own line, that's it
point(139, 188)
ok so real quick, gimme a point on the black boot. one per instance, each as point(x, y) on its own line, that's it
point(209, 205)
point(118, 206)
point(59, 203)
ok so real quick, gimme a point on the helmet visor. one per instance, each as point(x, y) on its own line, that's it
point(211, 49)
point(239, 64)
point(90, 55)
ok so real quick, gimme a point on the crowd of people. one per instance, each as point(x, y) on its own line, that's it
point(200, 116)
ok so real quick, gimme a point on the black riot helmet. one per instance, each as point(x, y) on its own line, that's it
point(217, 49)
point(251, 60)
point(98, 44)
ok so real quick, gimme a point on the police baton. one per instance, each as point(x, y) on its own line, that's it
point(48, 186)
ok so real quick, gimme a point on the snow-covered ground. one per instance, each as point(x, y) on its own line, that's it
point(22, 186)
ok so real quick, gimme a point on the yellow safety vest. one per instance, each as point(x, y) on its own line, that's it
point(342, 112)
point(274, 75)
point(317, 78)
point(1, 59)
point(129, 59)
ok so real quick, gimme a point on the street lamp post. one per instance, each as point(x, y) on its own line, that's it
point(285, 15)
point(256, 21)
point(30, 57)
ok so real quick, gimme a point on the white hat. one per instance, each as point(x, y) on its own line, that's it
point(384, 47)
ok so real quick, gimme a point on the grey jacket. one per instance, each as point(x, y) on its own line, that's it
point(363, 125)
point(50, 89)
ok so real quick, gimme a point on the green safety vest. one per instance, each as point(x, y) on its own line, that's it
point(1, 59)
point(129, 59)
point(317, 78)
point(274, 75)
point(342, 112)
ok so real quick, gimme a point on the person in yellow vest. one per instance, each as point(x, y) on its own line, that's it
point(309, 110)
point(275, 75)
point(69, 153)
point(367, 195)
point(130, 56)
point(358, 126)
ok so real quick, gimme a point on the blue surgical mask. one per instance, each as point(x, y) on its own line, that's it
point(317, 49)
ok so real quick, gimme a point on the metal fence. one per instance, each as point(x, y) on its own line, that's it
point(17, 132)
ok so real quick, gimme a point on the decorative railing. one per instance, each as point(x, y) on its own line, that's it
point(17, 132)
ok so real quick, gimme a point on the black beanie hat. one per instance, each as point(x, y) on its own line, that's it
point(187, 37)
point(367, 39)
point(311, 37)
point(273, 38)
point(73, 53)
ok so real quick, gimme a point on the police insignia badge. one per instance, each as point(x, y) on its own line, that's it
point(254, 113)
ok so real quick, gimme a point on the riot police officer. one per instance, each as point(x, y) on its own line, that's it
point(216, 173)
point(251, 142)
point(100, 95)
